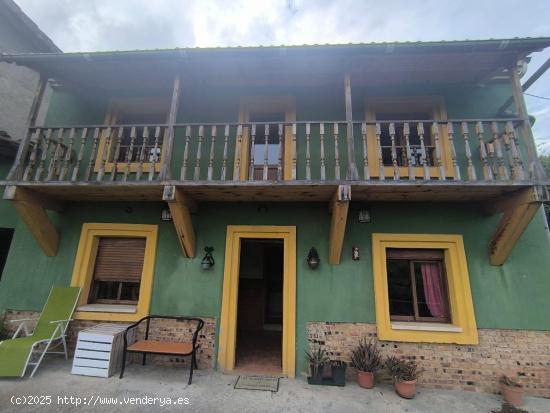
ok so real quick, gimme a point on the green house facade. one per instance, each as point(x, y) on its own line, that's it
point(408, 168)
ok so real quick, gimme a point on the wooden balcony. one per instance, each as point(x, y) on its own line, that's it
point(393, 160)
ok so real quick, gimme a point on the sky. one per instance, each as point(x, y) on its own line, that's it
point(91, 25)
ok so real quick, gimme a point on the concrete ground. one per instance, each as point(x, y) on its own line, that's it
point(212, 391)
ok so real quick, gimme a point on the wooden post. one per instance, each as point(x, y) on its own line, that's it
point(336, 153)
point(503, 174)
point(168, 144)
point(338, 207)
point(424, 156)
point(466, 136)
point(322, 150)
point(381, 169)
point(487, 172)
point(16, 171)
point(142, 152)
point(519, 210)
point(183, 174)
point(214, 132)
point(451, 137)
point(407, 132)
point(308, 151)
point(83, 139)
point(252, 151)
point(224, 157)
point(32, 211)
point(352, 174)
point(534, 166)
point(181, 207)
point(197, 175)
point(366, 172)
point(438, 152)
point(394, 152)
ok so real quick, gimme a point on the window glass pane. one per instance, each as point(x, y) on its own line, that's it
point(129, 292)
point(399, 287)
point(106, 290)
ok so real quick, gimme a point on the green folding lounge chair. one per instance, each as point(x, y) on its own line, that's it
point(16, 353)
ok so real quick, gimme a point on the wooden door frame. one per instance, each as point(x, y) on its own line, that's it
point(228, 319)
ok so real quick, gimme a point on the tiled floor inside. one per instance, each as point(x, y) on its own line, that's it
point(259, 352)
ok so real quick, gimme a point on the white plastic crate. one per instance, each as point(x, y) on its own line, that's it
point(99, 350)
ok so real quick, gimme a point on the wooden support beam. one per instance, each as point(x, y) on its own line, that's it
point(338, 207)
point(32, 210)
point(519, 209)
point(181, 206)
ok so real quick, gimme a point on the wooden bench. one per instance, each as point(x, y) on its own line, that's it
point(170, 348)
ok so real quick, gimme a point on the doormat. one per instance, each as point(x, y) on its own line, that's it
point(257, 383)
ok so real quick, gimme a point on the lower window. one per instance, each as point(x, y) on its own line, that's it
point(114, 266)
point(417, 285)
point(422, 289)
point(117, 270)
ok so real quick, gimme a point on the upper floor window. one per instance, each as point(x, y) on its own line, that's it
point(275, 147)
point(135, 138)
point(411, 143)
point(265, 153)
point(400, 138)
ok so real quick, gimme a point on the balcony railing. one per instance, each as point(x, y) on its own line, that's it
point(401, 150)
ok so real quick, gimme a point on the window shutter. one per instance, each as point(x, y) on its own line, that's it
point(418, 254)
point(119, 259)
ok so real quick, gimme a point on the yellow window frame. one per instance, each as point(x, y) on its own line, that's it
point(435, 105)
point(85, 260)
point(114, 108)
point(265, 104)
point(462, 329)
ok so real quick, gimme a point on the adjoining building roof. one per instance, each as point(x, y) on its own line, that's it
point(11, 14)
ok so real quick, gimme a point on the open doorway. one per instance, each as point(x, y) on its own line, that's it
point(260, 306)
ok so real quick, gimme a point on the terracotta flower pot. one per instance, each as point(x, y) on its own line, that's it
point(512, 394)
point(406, 389)
point(365, 379)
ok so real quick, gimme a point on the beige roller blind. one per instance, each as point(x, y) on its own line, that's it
point(119, 259)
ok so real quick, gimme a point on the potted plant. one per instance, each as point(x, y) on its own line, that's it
point(404, 373)
point(512, 391)
point(338, 372)
point(366, 358)
point(317, 358)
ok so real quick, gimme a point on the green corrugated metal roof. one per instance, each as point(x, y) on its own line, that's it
point(499, 44)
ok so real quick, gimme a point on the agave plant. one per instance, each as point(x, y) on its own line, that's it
point(402, 370)
point(366, 356)
point(317, 358)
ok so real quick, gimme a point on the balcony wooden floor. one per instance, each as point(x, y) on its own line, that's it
point(295, 191)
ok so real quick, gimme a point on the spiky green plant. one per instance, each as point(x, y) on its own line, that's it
point(366, 356)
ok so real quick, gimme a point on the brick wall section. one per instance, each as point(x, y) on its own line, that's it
point(161, 329)
point(517, 353)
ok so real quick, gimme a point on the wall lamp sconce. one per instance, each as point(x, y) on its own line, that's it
point(165, 214)
point(208, 260)
point(355, 253)
point(364, 216)
point(313, 259)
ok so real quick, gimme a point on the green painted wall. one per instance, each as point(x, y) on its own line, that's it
point(512, 296)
